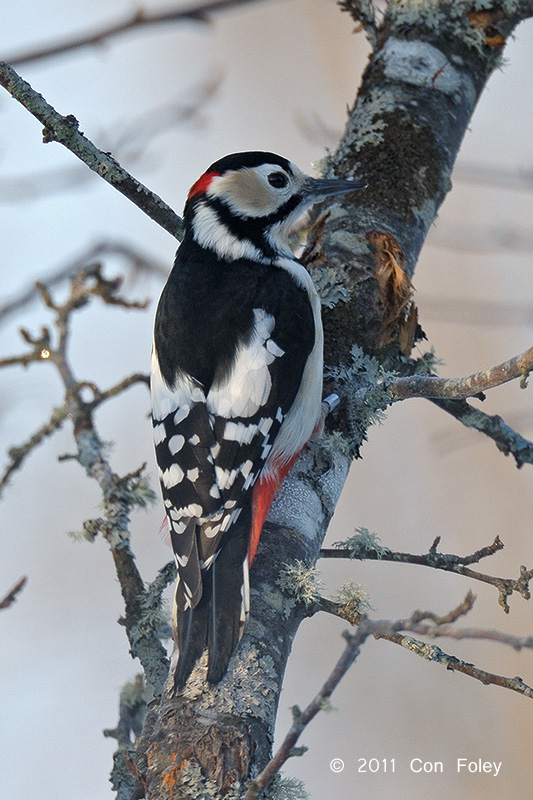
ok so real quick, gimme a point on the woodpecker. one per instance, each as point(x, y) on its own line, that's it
point(236, 385)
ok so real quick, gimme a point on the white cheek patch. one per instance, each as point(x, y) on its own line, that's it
point(245, 192)
point(248, 386)
point(248, 193)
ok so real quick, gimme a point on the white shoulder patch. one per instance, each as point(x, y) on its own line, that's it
point(249, 384)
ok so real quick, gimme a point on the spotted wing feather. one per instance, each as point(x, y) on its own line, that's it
point(209, 461)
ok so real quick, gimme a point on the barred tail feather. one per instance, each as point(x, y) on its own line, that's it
point(217, 621)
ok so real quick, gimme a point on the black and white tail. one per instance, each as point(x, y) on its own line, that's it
point(218, 619)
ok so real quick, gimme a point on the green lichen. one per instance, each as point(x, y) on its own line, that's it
point(427, 363)
point(361, 543)
point(366, 120)
point(439, 17)
point(362, 388)
point(354, 598)
point(301, 582)
point(331, 286)
point(283, 788)
point(250, 691)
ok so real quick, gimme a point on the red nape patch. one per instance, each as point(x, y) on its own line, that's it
point(202, 184)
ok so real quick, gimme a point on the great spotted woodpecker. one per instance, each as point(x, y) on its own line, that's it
point(236, 382)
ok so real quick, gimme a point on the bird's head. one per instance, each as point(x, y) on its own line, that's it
point(246, 204)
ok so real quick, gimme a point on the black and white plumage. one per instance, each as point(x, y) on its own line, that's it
point(236, 382)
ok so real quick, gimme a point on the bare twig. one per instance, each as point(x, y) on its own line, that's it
point(458, 388)
point(135, 262)
point(303, 718)
point(197, 12)
point(11, 596)
point(129, 140)
point(18, 454)
point(438, 626)
point(444, 561)
point(65, 130)
point(435, 631)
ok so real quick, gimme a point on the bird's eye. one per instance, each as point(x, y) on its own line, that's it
point(278, 180)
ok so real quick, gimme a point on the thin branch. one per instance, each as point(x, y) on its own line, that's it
point(65, 130)
point(136, 262)
point(436, 627)
point(433, 653)
point(435, 631)
point(19, 453)
point(507, 440)
point(459, 388)
point(390, 630)
point(319, 702)
point(130, 142)
point(443, 561)
point(198, 12)
point(11, 596)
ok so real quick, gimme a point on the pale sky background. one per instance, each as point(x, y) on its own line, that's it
point(286, 72)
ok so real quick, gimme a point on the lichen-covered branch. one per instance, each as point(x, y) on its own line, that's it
point(366, 389)
point(403, 134)
point(393, 631)
point(460, 388)
point(120, 494)
point(507, 440)
point(65, 130)
point(433, 653)
point(364, 546)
